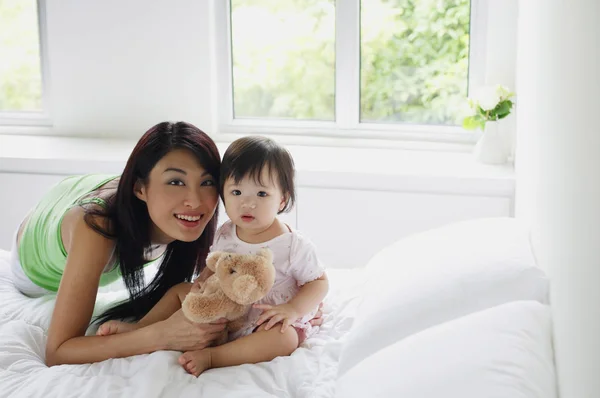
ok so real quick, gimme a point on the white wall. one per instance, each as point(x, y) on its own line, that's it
point(364, 205)
point(558, 174)
point(119, 67)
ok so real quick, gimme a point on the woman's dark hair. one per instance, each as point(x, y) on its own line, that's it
point(129, 223)
point(248, 156)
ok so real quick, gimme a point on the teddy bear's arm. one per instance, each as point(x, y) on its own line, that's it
point(206, 308)
point(210, 285)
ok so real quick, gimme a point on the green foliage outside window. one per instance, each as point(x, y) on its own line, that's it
point(414, 60)
point(20, 73)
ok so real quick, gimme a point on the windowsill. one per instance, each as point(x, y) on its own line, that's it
point(393, 169)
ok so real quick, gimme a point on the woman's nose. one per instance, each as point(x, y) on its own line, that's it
point(193, 199)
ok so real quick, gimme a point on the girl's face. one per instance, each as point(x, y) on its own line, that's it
point(253, 206)
point(181, 197)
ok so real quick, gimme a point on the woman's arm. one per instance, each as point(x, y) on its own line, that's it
point(88, 253)
point(67, 344)
point(175, 333)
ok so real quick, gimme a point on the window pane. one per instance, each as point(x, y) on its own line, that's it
point(20, 73)
point(414, 60)
point(283, 58)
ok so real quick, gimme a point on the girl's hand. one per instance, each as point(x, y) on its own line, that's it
point(178, 333)
point(196, 286)
point(318, 318)
point(284, 313)
point(199, 281)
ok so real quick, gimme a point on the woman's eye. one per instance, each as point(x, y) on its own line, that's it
point(176, 182)
point(236, 192)
point(208, 183)
point(232, 271)
point(262, 194)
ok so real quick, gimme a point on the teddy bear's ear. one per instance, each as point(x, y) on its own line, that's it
point(266, 253)
point(212, 260)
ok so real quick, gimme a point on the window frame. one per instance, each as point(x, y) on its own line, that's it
point(347, 96)
point(41, 117)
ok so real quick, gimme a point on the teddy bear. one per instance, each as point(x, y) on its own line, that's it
point(238, 281)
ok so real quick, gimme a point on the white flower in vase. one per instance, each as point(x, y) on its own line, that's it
point(489, 104)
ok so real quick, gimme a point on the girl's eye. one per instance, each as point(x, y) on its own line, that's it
point(236, 192)
point(176, 182)
point(208, 183)
point(262, 194)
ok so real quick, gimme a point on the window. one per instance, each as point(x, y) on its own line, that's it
point(21, 87)
point(348, 65)
point(284, 66)
point(414, 60)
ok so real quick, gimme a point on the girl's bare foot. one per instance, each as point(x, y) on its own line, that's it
point(115, 327)
point(196, 362)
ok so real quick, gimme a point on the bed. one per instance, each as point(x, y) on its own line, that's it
point(459, 311)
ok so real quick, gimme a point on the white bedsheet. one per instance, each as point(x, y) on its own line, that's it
point(308, 372)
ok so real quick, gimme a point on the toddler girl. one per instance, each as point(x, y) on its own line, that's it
point(257, 184)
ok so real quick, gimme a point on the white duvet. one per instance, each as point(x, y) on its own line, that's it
point(457, 312)
point(309, 372)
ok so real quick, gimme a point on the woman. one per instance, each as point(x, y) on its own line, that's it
point(90, 230)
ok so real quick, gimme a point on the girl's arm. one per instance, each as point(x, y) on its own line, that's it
point(89, 252)
point(310, 295)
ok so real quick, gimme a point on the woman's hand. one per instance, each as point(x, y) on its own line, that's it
point(178, 333)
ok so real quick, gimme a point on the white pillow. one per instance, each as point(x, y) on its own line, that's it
point(440, 275)
point(505, 351)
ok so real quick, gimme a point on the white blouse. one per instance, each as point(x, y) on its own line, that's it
point(295, 260)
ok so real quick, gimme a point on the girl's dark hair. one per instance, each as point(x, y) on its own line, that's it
point(248, 156)
point(128, 221)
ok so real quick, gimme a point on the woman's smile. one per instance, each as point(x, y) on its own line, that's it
point(189, 221)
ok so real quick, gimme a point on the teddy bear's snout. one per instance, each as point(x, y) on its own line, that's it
point(244, 286)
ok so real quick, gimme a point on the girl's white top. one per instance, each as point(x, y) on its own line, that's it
point(296, 263)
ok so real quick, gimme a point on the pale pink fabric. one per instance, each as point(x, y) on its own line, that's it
point(295, 261)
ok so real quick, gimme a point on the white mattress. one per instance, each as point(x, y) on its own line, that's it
point(309, 372)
